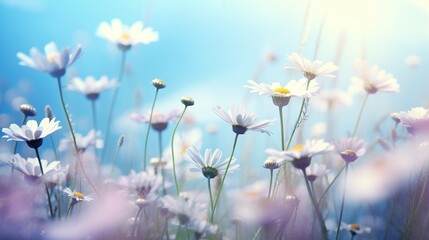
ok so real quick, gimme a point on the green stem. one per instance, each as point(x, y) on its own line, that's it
point(112, 105)
point(73, 136)
point(271, 183)
point(54, 147)
point(330, 185)
point(172, 149)
point(360, 114)
point(94, 115)
point(46, 187)
point(282, 128)
point(135, 231)
point(148, 130)
point(223, 178)
point(342, 203)
point(210, 194)
point(316, 207)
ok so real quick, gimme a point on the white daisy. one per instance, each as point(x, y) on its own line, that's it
point(210, 165)
point(350, 148)
point(92, 139)
point(281, 95)
point(159, 121)
point(372, 79)
point(124, 35)
point(30, 167)
point(355, 228)
point(31, 133)
point(187, 211)
point(311, 69)
point(414, 119)
point(54, 62)
point(77, 196)
point(143, 184)
point(301, 155)
point(242, 121)
point(91, 87)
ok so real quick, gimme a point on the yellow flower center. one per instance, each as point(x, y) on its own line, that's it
point(297, 147)
point(355, 226)
point(125, 36)
point(78, 195)
point(348, 152)
point(52, 57)
point(282, 90)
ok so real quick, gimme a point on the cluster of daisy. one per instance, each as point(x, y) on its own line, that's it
point(83, 182)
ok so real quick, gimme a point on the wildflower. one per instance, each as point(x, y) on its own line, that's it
point(30, 167)
point(242, 121)
point(144, 185)
point(273, 162)
point(414, 119)
point(350, 148)
point(210, 165)
point(76, 196)
point(53, 62)
point(28, 110)
point(355, 229)
point(187, 101)
point(125, 36)
point(158, 83)
point(281, 95)
point(83, 142)
point(159, 120)
point(31, 133)
point(301, 155)
point(315, 171)
point(372, 79)
point(91, 87)
point(187, 211)
point(202, 228)
point(311, 69)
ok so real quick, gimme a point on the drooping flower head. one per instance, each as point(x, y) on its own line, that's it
point(31, 133)
point(241, 120)
point(316, 170)
point(415, 120)
point(91, 87)
point(281, 94)
point(350, 148)
point(28, 110)
point(372, 79)
point(301, 155)
point(159, 120)
point(53, 62)
point(126, 36)
point(210, 165)
point(311, 69)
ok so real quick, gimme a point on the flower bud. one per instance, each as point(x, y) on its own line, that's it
point(187, 101)
point(28, 110)
point(158, 83)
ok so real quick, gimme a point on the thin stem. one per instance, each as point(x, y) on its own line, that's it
point(135, 231)
point(114, 160)
point(172, 150)
point(331, 184)
point(282, 128)
point(112, 105)
point(148, 130)
point(342, 203)
point(54, 147)
point(210, 194)
point(73, 136)
point(164, 191)
point(271, 183)
point(316, 207)
point(94, 115)
point(224, 176)
point(46, 187)
point(360, 114)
